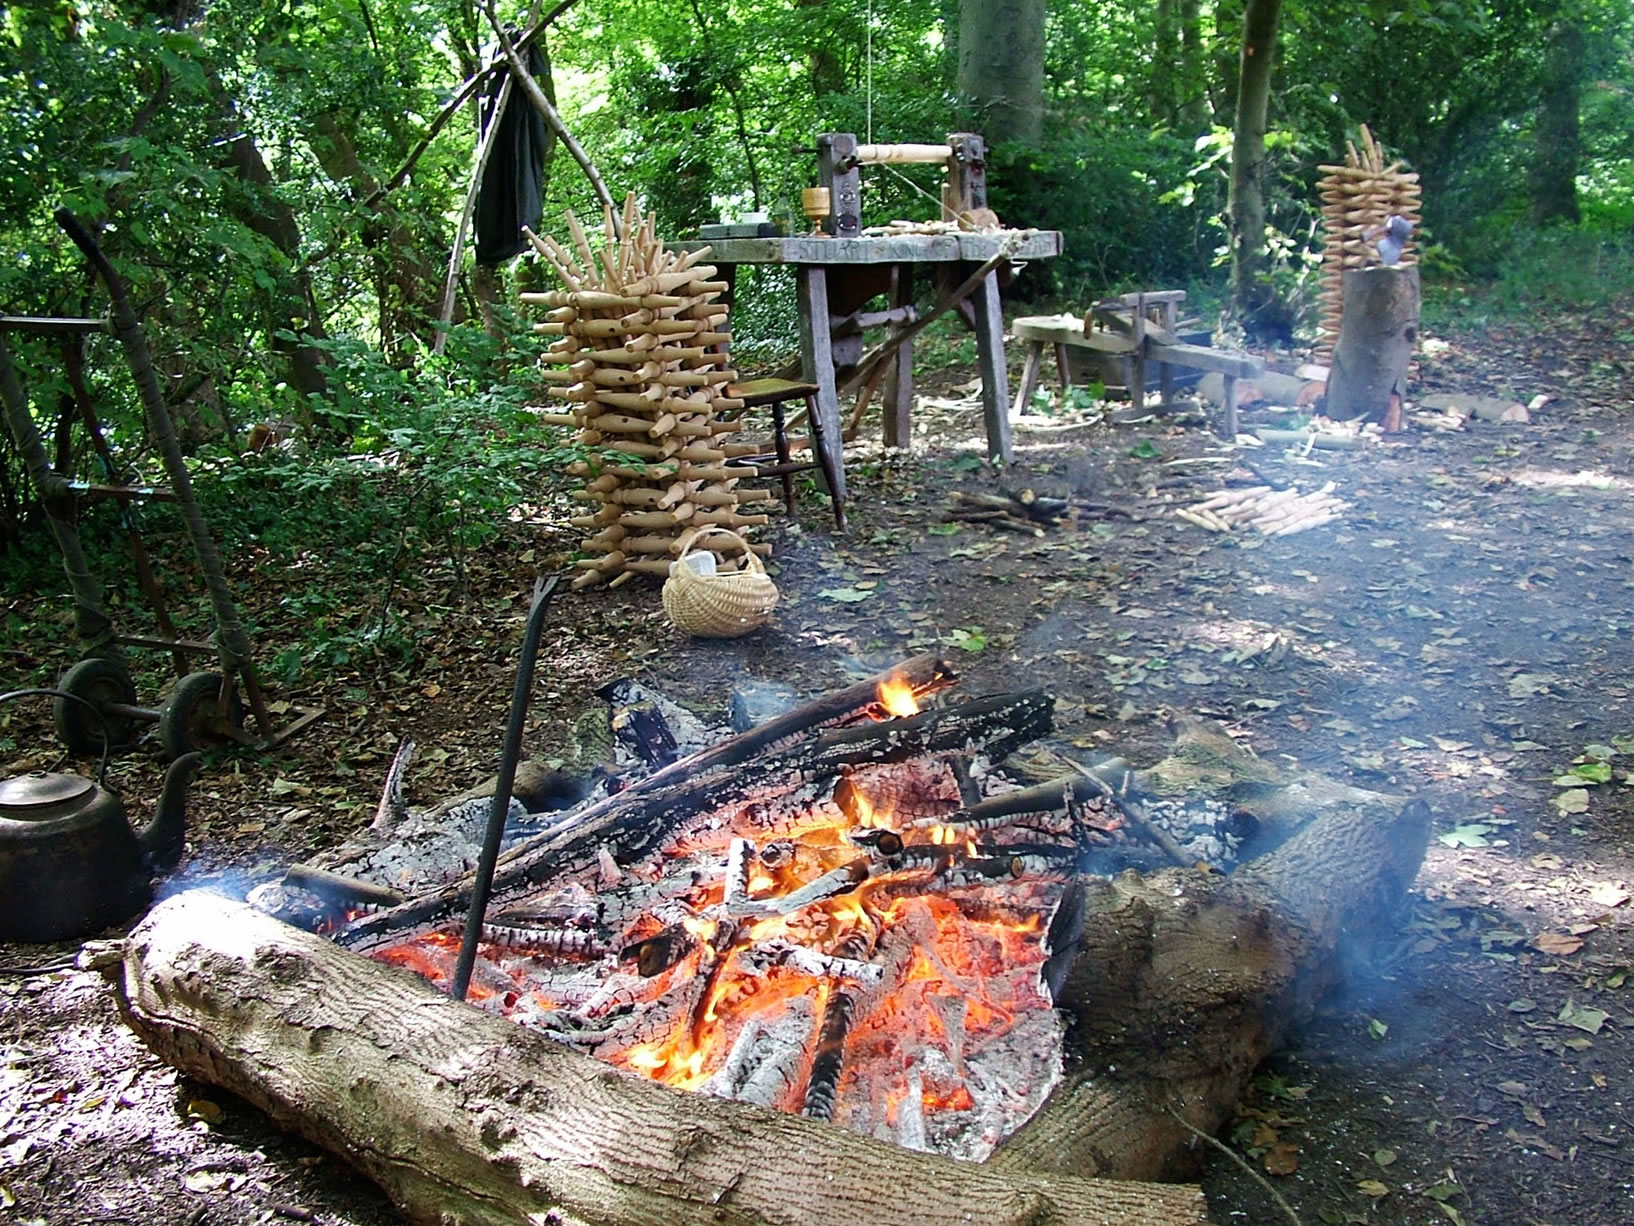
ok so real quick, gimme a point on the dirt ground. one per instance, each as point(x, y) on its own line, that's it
point(1461, 633)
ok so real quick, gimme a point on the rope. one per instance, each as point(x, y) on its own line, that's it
point(936, 200)
point(868, 70)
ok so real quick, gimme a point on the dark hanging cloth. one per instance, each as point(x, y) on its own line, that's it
point(512, 191)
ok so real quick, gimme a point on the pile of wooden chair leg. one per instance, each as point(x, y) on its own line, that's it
point(642, 362)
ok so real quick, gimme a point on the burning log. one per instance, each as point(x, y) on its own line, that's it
point(851, 922)
point(464, 1117)
point(635, 821)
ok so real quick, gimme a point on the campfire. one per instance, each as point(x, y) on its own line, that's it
point(849, 915)
point(865, 945)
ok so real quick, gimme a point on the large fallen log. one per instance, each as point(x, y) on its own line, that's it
point(1184, 982)
point(465, 1118)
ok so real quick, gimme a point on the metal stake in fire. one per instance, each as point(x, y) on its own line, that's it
point(502, 790)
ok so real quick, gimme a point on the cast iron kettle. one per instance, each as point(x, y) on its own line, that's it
point(70, 863)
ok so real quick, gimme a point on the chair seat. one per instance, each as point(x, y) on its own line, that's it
point(826, 454)
point(770, 391)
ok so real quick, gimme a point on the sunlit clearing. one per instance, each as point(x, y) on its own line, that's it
point(1543, 478)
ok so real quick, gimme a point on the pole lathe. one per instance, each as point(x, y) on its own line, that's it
point(840, 159)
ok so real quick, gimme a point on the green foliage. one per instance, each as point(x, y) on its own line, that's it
point(1113, 192)
point(231, 157)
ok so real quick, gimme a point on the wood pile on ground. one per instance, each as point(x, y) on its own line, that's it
point(641, 358)
point(1274, 512)
point(1356, 198)
point(1027, 511)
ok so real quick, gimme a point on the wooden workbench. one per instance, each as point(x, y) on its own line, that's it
point(1145, 344)
point(837, 277)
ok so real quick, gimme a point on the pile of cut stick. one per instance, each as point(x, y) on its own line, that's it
point(1274, 512)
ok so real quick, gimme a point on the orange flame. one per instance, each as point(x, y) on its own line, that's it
point(897, 697)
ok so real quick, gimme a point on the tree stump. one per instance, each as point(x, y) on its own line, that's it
point(1377, 336)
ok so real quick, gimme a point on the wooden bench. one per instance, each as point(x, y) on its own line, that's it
point(1140, 326)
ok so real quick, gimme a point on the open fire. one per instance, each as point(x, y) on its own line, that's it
point(867, 948)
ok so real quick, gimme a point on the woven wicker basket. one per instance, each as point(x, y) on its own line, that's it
point(722, 605)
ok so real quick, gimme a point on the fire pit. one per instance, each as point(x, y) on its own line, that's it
point(848, 914)
point(867, 949)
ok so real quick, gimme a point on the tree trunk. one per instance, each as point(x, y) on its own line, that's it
point(822, 56)
point(293, 307)
point(390, 238)
point(1552, 176)
point(465, 1117)
point(1165, 79)
point(1001, 68)
point(1246, 205)
point(1193, 90)
point(1377, 335)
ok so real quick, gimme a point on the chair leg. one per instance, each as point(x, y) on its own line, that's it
point(826, 462)
point(780, 438)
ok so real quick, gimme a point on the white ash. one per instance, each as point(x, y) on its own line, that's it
point(1201, 825)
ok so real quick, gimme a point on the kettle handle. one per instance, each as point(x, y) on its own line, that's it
point(101, 719)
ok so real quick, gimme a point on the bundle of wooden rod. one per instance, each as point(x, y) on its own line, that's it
point(1273, 512)
point(642, 359)
point(1027, 511)
point(1356, 199)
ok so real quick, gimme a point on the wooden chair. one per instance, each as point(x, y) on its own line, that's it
point(827, 454)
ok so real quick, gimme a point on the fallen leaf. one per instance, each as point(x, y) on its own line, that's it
point(1535, 1142)
point(1606, 894)
point(1472, 834)
point(1574, 801)
point(1376, 1028)
point(1583, 1017)
point(1384, 1157)
point(1281, 1159)
point(1559, 944)
point(1522, 1005)
point(1534, 1115)
point(204, 1109)
point(1524, 685)
point(1373, 1188)
point(1514, 1089)
point(846, 595)
point(212, 1181)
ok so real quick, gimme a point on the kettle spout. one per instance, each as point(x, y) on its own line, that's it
point(161, 841)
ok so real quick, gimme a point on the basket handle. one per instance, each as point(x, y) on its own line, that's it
point(752, 561)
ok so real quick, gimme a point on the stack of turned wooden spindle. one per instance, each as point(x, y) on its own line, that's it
point(642, 359)
point(1356, 199)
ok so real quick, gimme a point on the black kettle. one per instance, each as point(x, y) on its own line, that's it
point(70, 864)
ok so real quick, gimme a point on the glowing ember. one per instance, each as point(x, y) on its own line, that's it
point(841, 962)
point(897, 697)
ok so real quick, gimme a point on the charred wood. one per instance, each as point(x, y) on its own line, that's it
point(635, 822)
point(1184, 982)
